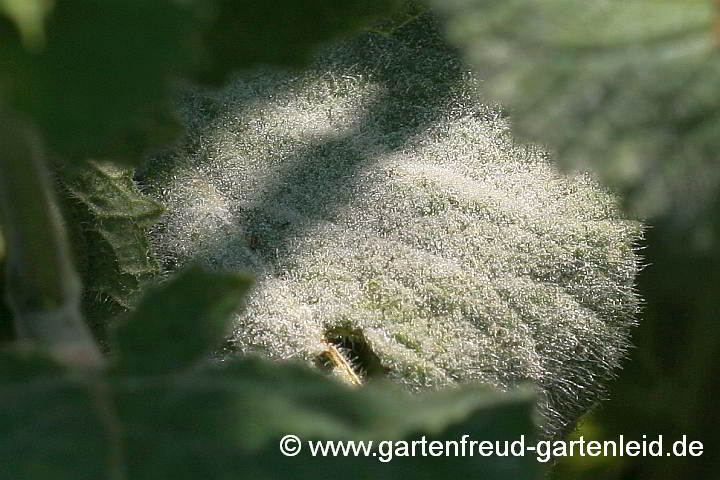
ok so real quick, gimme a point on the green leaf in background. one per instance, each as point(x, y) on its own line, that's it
point(629, 88)
point(49, 425)
point(121, 212)
point(227, 421)
point(99, 84)
point(107, 217)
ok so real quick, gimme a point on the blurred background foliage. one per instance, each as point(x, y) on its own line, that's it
point(630, 89)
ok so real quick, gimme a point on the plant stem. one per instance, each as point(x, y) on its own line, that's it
point(43, 288)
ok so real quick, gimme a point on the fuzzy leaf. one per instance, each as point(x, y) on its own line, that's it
point(120, 211)
point(177, 323)
point(391, 217)
point(629, 88)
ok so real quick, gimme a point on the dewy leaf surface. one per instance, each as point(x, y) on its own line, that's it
point(630, 88)
point(382, 206)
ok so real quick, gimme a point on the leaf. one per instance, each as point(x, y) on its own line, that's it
point(107, 218)
point(386, 211)
point(225, 421)
point(100, 85)
point(631, 89)
point(120, 210)
point(101, 81)
point(49, 426)
point(230, 419)
point(177, 323)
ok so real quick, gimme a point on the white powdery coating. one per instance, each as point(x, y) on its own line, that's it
point(460, 256)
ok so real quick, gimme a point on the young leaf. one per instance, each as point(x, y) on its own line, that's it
point(121, 212)
point(107, 218)
point(178, 322)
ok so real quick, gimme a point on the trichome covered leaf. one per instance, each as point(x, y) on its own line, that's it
point(398, 231)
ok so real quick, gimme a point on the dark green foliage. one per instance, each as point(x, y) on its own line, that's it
point(245, 33)
point(194, 307)
point(50, 426)
point(150, 416)
point(97, 81)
